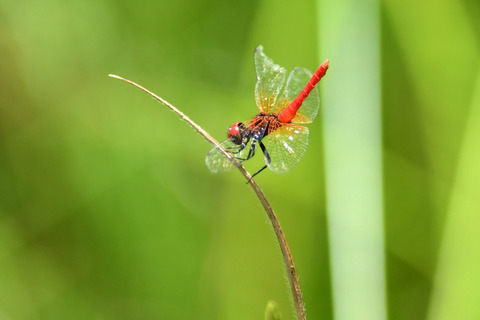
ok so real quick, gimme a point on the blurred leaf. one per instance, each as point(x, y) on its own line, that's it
point(271, 311)
point(456, 291)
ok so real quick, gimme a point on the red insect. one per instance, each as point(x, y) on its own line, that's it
point(283, 142)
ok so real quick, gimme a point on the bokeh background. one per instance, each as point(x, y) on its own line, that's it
point(107, 210)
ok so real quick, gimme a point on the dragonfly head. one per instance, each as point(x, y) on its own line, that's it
point(235, 132)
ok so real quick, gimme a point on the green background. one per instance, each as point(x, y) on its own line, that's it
point(107, 210)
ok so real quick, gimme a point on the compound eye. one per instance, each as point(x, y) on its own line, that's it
point(234, 130)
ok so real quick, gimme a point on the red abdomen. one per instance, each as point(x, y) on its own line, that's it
point(289, 112)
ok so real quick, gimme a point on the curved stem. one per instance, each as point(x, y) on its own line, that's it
point(287, 256)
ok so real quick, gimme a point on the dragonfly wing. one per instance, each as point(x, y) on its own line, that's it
point(216, 160)
point(297, 80)
point(270, 80)
point(286, 146)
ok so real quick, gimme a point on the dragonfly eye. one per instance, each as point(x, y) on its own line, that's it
point(234, 130)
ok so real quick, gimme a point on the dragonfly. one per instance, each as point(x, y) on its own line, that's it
point(284, 104)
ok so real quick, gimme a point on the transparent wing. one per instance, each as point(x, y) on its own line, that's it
point(296, 81)
point(270, 80)
point(217, 162)
point(286, 146)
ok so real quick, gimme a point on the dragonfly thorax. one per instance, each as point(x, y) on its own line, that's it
point(257, 128)
point(265, 123)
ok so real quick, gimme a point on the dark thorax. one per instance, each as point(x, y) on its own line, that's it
point(263, 124)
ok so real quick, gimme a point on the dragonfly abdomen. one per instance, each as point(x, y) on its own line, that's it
point(289, 112)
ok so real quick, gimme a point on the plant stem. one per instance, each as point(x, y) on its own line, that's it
point(287, 256)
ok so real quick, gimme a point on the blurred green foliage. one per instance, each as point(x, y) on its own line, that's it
point(107, 210)
point(271, 311)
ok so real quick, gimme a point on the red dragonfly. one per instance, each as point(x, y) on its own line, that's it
point(274, 128)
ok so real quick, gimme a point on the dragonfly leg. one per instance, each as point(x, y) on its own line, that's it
point(267, 159)
point(235, 150)
point(251, 152)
